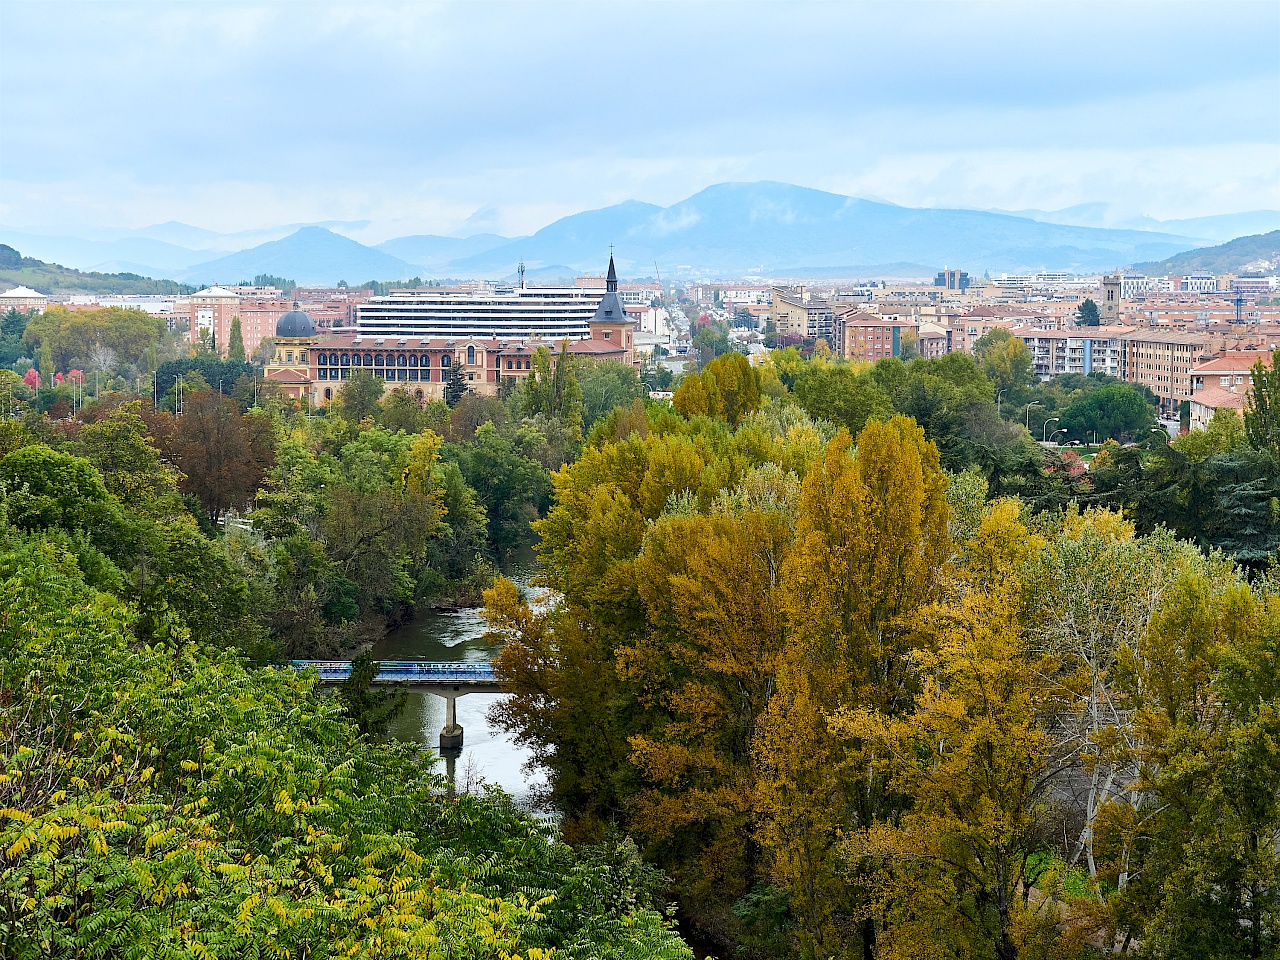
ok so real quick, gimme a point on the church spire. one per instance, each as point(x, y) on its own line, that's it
point(611, 280)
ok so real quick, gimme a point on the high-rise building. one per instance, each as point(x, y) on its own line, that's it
point(952, 279)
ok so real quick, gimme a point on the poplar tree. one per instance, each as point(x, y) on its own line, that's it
point(1262, 407)
point(235, 350)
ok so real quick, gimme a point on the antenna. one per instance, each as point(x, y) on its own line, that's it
point(521, 269)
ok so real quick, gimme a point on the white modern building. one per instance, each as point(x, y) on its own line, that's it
point(1055, 352)
point(545, 313)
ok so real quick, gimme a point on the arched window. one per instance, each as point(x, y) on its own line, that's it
point(446, 360)
point(368, 359)
point(426, 359)
point(355, 359)
point(328, 394)
point(377, 359)
point(471, 356)
point(346, 360)
point(402, 361)
point(333, 359)
point(417, 395)
point(413, 359)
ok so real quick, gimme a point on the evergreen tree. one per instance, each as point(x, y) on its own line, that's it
point(235, 350)
point(372, 710)
point(1087, 314)
point(456, 388)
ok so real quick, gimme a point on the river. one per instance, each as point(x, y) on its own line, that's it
point(458, 636)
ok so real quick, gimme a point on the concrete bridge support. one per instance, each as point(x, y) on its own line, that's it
point(451, 735)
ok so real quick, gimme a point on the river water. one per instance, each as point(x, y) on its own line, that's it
point(458, 636)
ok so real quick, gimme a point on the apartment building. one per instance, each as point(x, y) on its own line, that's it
point(1084, 350)
point(1162, 360)
point(795, 314)
point(868, 337)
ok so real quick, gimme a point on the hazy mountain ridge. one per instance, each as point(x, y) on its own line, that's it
point(1230, 257)
point(729, 229)
point(776, 228)
point(1213, 229)
point(311, 256)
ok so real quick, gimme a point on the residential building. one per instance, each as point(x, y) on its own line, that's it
point(795, 314)
point(1083, 350)
point(24, 299)
point(1205, 403)
point(1231, 370)
point(868, 337)
point(1162, 360)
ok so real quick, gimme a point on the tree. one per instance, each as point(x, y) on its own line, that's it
point(871, 538)
point(221, 453)
point(728, 387)
point(1224, 433)
point(235, 349)
point(456, 388)
point(360, 398)
point(373, 711)
point(1116, 411)
point(1007, 364)
point(975, 764)
point(836, 393)
point(606, 384)
point(1087, 314)
point(1262, 407)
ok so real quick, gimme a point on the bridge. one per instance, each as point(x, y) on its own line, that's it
point(448, 680)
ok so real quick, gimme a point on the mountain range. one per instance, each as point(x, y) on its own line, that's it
point(1262, 250)
point(730, 229)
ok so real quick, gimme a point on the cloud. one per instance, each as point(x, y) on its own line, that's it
point(420, 117)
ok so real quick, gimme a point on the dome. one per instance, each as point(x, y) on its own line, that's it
point(295, 323)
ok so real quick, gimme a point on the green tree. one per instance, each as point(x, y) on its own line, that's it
point(836, 393)
point(606, 384)
point(1116, 411)
point(456, 388)
point(1006, 361)
point(1087, 314)
point(373, 711)
point(1262, 407)
point(235, 349)
point(360, 398)
point(1223, 434)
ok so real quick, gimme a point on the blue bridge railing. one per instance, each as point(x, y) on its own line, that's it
point(410, 671)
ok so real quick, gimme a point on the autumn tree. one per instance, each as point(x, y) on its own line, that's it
point(976, 765)
point(221, 453)
point(727, 387)
point(360, 398)
point(871, 539)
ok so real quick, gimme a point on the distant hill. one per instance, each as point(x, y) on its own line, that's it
point(1228, 257)
point(434, 253)
point(313, 256)
point(48, 278)
point(1214, 229)
point(777, 229)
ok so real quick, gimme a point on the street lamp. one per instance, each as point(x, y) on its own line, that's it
point(998, 396)
point(1033, 403)
point(1044, 434)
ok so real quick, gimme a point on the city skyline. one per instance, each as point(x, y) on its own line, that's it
point(460, 119)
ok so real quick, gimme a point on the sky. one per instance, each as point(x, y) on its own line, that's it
point(462, 118)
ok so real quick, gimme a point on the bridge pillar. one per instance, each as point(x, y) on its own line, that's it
point(451, 735)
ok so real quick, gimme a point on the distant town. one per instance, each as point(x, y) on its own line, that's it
point(1190, 339)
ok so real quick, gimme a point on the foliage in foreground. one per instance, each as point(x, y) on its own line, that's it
point(164, 801)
